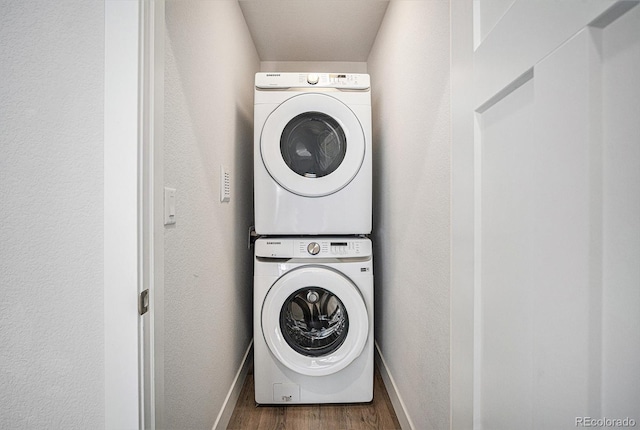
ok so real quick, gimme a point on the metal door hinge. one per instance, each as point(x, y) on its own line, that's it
point(143, 302)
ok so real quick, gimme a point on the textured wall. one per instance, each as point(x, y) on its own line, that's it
point(210, 65)
point(313, 66)
point(409, 67)
point(51, 243)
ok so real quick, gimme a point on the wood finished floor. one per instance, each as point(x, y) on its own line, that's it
point(377, 414)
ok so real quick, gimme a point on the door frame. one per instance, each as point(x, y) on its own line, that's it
point(462, 216)
point(133, 202)
point(121, 212)
point(151, 203)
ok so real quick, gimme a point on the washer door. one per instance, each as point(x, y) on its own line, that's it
point(312, 145)
point(314, 320)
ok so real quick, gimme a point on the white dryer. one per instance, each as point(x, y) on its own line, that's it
point(312, 154)
point(313, 320)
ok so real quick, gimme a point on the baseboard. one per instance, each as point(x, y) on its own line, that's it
point(394, 395)
point(222, 421)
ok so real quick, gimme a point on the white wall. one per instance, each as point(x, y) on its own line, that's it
point(410, 74)
point(313, 66)
point(210, 65)
point(51, 183)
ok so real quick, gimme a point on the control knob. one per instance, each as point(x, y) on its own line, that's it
point(313, 248)
point(313, 79)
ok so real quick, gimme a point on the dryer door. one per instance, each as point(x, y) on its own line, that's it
point(314, 320)
point(312, 145)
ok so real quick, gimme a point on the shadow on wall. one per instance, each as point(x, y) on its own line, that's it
point(243, 210)
point(377, 226)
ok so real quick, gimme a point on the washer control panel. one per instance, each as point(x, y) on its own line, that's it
point(350, 81)
point(334, 247)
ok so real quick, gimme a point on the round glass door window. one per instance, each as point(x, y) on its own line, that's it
point(313, 144)
point(314, 322)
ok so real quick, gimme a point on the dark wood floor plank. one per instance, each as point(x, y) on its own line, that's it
point(377, 414)
point(305, 416)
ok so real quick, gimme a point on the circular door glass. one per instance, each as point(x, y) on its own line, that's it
point(313, 144)
point(314, 322)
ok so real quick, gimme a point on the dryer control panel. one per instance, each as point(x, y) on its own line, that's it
point(334, 247)
point(347, 81)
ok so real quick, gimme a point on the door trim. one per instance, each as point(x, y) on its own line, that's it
point(462, 221)
point(151, 199)
point(121, 214)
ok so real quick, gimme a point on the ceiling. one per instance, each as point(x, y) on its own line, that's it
point(313, 30)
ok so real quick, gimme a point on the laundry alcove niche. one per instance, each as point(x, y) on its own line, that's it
point(212, 49)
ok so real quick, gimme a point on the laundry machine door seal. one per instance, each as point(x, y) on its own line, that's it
point(312, 278)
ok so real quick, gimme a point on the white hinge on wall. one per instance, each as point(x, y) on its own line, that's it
point(143, 302)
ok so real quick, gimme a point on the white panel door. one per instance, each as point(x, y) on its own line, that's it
point(557, 216)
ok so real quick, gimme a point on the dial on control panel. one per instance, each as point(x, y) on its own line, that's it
point(313, 248)
point(313, 78)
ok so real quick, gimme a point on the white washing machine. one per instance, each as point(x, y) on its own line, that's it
point(313, 320)
point(312, 154)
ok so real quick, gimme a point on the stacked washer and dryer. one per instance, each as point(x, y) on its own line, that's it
point(313, 266)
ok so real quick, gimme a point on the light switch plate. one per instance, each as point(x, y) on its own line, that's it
point(169, 206)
